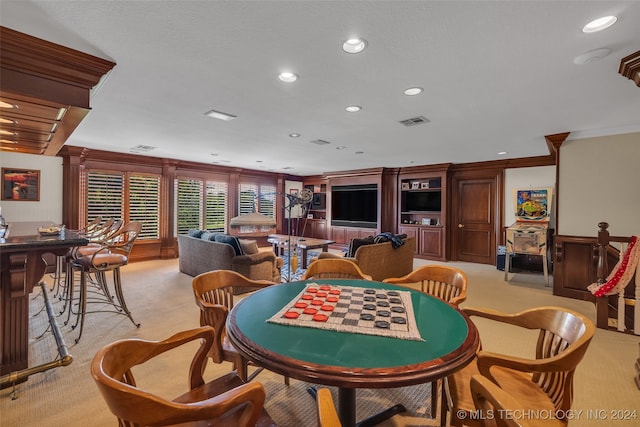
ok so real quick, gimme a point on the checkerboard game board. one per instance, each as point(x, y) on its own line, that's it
point(358, 310)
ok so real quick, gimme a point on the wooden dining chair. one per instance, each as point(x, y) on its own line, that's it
point(213, 292)
point(497, 408)
point(225, 401)
point(327, 414)
point(334, 268)
point(441, 281)
point(543, 382)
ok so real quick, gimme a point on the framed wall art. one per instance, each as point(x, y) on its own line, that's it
point(533, 204)
point(20, 184)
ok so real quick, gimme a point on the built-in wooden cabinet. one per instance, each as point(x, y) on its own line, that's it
point(314, 228)
point(422, 209)
point(344, 235)
point(314, 217)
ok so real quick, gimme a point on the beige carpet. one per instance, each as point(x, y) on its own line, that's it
point(160, 298)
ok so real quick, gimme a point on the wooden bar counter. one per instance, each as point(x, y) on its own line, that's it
point(22, 267)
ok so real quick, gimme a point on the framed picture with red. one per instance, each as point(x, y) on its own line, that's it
point(20, 184)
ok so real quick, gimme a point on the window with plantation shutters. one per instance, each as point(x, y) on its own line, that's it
point(144, 204)
point(105, 195)
point(267, 203)
point(126, 196)
point(189, 205)
point(201, 205)
point(216, 206)
point(247, 198)
point(257, 197)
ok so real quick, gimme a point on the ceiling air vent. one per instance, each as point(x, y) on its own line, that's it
point(415, 121)
point(319, 142)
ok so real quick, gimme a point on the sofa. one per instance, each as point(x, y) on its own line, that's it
point(380, 260)
point(201, 253)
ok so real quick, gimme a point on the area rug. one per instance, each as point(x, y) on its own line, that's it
point(293, 406)
point(299, 271)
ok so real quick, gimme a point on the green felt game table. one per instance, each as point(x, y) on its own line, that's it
point(351, 360)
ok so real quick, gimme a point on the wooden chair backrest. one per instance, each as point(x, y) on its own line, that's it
point(327, 415)
point(334, 268)
point(213, 292)
point(441, 281)
point(111, 369)
point(562, 342)
point(493, 403)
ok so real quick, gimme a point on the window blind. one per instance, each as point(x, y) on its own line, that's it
point(144, 204)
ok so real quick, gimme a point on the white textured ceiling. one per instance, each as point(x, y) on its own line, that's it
point(498, 76)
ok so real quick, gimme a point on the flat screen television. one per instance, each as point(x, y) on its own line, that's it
point(354, 205)
point(422, 201)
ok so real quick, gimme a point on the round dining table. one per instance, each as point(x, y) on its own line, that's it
point(352, 360)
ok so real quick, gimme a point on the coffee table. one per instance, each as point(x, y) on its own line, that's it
point(281, 241)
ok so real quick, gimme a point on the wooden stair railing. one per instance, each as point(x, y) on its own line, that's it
point(627, 298)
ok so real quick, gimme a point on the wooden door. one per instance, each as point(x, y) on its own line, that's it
point(476, 215)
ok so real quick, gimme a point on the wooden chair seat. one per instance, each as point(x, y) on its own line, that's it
point(217, 388)
point(491, 399)
point(516, 384)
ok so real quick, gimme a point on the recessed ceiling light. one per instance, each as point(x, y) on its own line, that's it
point(7, 132)
point(413, 91)
point(7, 105)
point(502, 153)
point(340, 147)
point(8, 141)
point(359, 152)
point(354, 45)
point(353, 108)
point(258, 161)
point(295, 135)
point(288, 77)
point(220, 115)
point(599, 24)
point(3, 120)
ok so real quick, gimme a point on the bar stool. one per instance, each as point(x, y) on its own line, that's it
point(61, 260)
point(112, 255)
point(98, 235)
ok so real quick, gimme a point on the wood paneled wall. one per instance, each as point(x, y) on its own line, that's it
point(76, 160)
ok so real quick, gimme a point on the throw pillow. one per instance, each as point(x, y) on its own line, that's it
point(195, 233)
point(356, 243)
point(249, 247)
point(209, 235)
point(230, 240)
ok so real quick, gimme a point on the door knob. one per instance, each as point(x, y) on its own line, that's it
point(460, 225)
